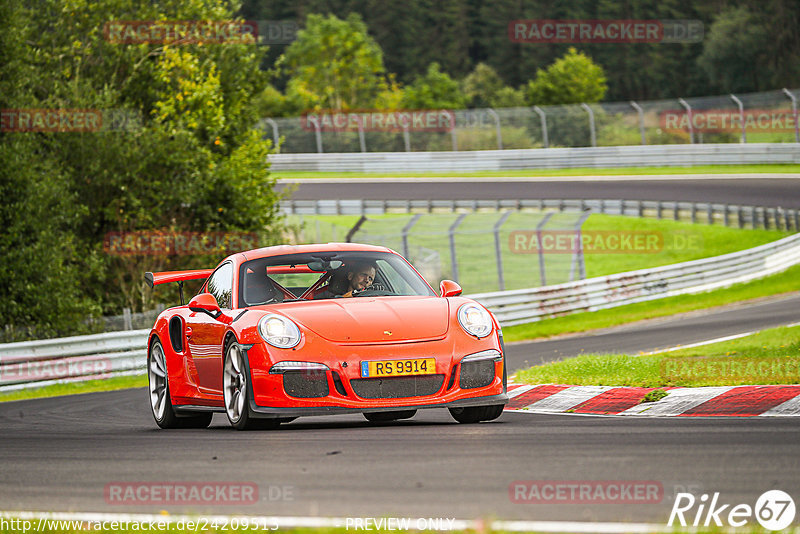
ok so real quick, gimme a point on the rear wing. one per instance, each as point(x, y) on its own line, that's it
point(154, 279)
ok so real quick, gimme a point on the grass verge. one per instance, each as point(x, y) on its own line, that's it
point(785, 282)
point(769, 357)
point(582, 171)
point(73, 388)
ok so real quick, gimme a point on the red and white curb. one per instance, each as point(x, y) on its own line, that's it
point(724, 401)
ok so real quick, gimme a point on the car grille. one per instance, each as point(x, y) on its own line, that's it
point(393, 388)
point(476, 374)
point(305, 384)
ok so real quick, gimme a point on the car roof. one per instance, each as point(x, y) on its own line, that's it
point(281, 250)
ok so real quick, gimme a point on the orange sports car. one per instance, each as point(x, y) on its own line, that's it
point(287, 331)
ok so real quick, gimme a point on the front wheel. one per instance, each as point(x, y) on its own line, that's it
point(475, 414)
point(160, 403)
point(235, 392)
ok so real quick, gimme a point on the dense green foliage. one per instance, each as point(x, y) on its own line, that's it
point(187, 159)
point(748, 45)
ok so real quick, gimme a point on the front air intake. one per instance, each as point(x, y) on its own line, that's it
point(394, 388)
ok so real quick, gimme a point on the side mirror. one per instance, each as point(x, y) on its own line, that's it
point(448, 288)
point(206, 303)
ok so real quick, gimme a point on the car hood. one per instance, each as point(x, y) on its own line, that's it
point(373, 320)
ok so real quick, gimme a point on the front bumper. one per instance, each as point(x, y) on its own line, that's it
point(268, 396)
point(264, 411)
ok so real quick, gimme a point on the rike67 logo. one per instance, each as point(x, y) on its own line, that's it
point(774, 510)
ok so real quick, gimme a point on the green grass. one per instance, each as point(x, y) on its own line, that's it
point(785, 282)
point(700, 169)
point(72, 388)
point(682, 241)
point(769, 357)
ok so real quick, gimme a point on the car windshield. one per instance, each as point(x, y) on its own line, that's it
point(323, 275)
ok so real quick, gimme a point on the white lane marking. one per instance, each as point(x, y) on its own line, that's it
point(574, 178)
point(698, 344)
point(566, 399)
point(278, 522)
point(789, 408)
point(710, 341)
point(677, 402)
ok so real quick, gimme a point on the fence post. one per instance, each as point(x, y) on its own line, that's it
point(577, 255)
point(127, 318)
point(794, 112)
point(741, 117)
point(501, 282)
point(591, 123)
point(688, 108)
point(494, 115)
point(543, 118)
point(451, 118)
point(406, 138)
point(639, 110)
point(406, 228)
point(348, 238)
point(317, 132)
point(275, 137)
point(361, 140)
point(542, 277)
point(452, 235)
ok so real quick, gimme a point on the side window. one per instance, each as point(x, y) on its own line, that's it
point(394, 279)
point(221, 285)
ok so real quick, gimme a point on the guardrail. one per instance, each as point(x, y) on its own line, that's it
point(48, 361)
point(529, 305)
point(710, 213)
point(43, 362)
point(541, 158)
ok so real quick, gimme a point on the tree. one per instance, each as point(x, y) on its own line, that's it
point(335, 63)
point(190, 160)
point(736, 43)
point(572, 79)
point(481, 86)
point(435, 90)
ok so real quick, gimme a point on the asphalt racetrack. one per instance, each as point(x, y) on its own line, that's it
point(770, 192)
point(61, 454)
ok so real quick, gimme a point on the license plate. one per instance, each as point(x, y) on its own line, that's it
point(418, 366)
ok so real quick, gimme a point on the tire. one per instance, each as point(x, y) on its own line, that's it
point(236, 392)
point(379, 417)
point(476, 414)
point(160, 402)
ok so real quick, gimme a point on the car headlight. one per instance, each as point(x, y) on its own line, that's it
point(279, 331)
point(475, 320)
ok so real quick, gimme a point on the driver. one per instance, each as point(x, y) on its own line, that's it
point(359, 277)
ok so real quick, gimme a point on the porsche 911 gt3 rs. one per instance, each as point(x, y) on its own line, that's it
point(288, 331)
